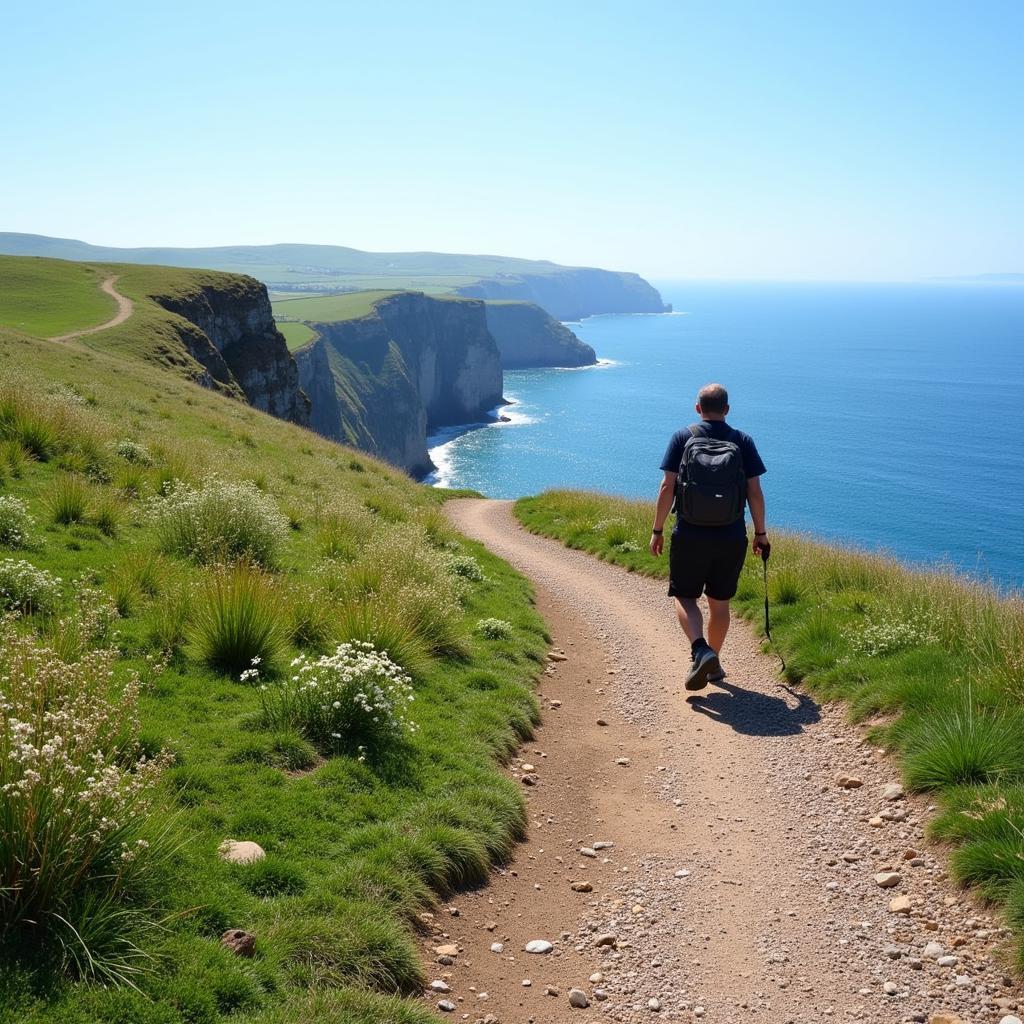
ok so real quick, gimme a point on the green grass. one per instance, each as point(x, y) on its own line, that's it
point(935, 662)
point(331, 308)
point(296, 334)
point(44, 298)
point(355, 849)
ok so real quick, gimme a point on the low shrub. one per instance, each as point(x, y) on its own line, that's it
point(27, 589)
point(239, 619)
point(494, 629)
point(219, 521)
point(15, 522)
point(75, 793)
point(133, 452)
point(352, 698)
point(466, 567)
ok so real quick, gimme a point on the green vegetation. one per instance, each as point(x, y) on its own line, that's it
point(45, 298)
point(331, 308)
point(932, 662)
point(145, 597)
point(296, 334)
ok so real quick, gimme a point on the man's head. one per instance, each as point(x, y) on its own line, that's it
point(712, 402)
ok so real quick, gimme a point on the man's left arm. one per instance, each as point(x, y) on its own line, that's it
point(666, 494)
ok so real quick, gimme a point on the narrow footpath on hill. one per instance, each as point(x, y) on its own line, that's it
point(124, 310)
point(694, 857)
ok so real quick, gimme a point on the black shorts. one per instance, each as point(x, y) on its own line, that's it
point(699, 565)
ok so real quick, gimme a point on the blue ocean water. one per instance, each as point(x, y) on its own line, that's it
point(890, 416)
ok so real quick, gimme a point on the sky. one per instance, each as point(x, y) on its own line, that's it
point(746, 140)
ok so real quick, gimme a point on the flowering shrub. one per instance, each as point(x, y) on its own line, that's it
point(878, 639)
point(74, 795)
point(133, 451)
point(467, 567)
point(26, 589)
point(218, 521)
point(15, 522)
point(356, 694)
point(494, 629)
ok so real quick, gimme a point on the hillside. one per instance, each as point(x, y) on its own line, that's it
point(385, 367)
point(172, 551)
point(567, 293)
point(212, 328)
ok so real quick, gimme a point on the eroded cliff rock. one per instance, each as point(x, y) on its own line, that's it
point(230, 330)
point(380, 381)
point(572, 293)
point(527, 336)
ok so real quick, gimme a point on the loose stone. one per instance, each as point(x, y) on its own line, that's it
point(887, 879)
point(240, 851)
point(578, 999)
point(539, 946)
point(582, 887)
point(446, 1006)
point(449, 949)
point(440, 986)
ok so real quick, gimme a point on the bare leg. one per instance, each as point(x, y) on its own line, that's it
point(718, 624)
point(690, 618)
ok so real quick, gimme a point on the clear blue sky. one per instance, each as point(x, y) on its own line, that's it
point(817, 139)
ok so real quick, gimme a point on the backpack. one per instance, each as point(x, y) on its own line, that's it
point(711, 486)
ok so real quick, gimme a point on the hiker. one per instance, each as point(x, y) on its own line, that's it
point(711, 472)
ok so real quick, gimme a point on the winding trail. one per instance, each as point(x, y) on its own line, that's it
point(124, 310)
point(741, 883)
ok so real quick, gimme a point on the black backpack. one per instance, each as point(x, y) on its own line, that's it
point(711, 486)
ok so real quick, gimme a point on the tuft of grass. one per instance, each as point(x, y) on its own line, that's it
point(239, 620)
point(69, 500)
point(958, 745)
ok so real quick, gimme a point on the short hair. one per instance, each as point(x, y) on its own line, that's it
point(713, 398)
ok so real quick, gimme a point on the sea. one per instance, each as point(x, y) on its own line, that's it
point(890, 416)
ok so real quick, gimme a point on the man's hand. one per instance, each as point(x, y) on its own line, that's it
point(760, 545)
point(657, 544)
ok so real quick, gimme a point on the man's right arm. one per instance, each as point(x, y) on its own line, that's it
point(755, 499)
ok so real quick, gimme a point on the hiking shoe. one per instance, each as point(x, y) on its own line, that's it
point(704, 664)
point(717, 677)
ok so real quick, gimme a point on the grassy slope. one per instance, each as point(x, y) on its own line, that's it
point(933, 663)
point(296, 334)
point(47, 298)
point(356, 850)
point(330, 308)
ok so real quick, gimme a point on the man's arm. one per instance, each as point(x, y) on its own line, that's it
point(755, 499)
point(666, 493)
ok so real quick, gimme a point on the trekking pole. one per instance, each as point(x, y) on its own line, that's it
point(766, 550)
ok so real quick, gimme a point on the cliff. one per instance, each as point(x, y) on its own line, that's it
point(567, 293)
point(573, 292)
point(527, 336)
point(381, 380)
point(230, 330)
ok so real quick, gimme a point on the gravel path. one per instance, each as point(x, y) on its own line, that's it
point(698, 859)
point(124, 310)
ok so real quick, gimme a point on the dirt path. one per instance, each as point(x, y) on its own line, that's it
point(741, 883)
point(124, 310)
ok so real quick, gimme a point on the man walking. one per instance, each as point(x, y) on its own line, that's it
point(711, 472)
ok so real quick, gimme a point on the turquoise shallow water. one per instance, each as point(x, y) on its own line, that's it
point(890, 416)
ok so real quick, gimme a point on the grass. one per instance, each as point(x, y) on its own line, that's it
point(356, 848)
point(295, 333)
point(933, 662)
point(331, 308)
point(44, 298)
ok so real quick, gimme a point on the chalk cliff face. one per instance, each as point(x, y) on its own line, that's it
point(527, 336)
point(574, 292)
point(380, 381)
point(230, 330)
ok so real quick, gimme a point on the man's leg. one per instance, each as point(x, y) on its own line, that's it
point(718, 623)
point(690, 618)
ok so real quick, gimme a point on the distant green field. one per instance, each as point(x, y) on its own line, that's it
point(330, 308)
point(45, 298)
point(296, 334)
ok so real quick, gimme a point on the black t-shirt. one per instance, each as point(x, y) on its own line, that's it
point(752, 466)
